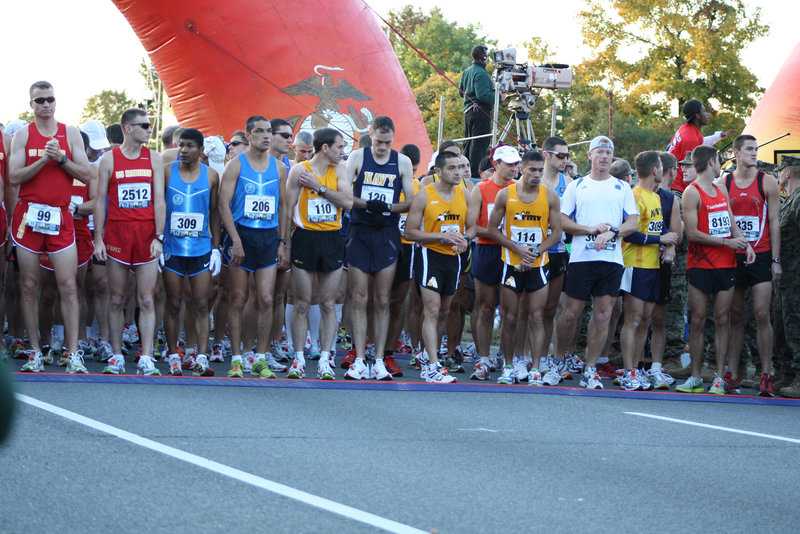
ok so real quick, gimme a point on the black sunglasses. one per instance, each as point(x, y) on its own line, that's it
point(42, 99)
point(237, 143)
point(144, 125)
point(285, 135)
point(559, 155)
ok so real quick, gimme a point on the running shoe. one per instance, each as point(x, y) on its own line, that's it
point(349, 359)
point(415, 359)
point(520, 369)
point(607, 371)
point(534, 377)
point(401, 347)
point(174, 362)
point(75, 363)
point(47, 356)
point(279, 354)
point(34, 363)
point(379, 371)
point(717, 386)
point(423, 360)
point(247, 362)
point(325, 370)
point(116, 365)
point(201, 366)
point(561, 366)
point(236, 369)
point(660, 379)
point(551, 377)
point(147, 366)
point(187, 362)
point(104, 351)
point(88, 346)
point(18, 349)
point(358, 370)
point(63, 357)
point(765, 389)
point(481, 372)
point(458, 361)
point(508, 375)
point(731, 385)
point(130, 335)
point(392, 367)
point(217, 353)
point(629, 381)
point(313, 351)
point(575, 364)
point(438, 375)
point(274, 365)
point(261, 370)
point(693, 384)
point(590, 379)
point(56, 342)
point(644, 379)
point(497, 361)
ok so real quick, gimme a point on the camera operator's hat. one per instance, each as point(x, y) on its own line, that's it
point(96, 132)
point(601, 141)
point(788, 161)
point(508, 154)
point(692, 108)
point(687, 160)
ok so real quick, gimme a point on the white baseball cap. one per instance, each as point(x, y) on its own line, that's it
point(507, 154)
point(601, 141)
point(97, 134)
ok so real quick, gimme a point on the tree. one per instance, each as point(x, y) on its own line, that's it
point(106, 106)
point(651, 52)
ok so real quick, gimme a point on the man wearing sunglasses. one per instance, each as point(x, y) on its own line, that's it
point(129, 220)
point(45, 159)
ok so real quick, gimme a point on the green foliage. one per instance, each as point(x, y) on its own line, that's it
point(106, 106)
point(428, 97)
point(26, 115)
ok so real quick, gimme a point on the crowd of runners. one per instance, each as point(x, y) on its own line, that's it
point(234, 252)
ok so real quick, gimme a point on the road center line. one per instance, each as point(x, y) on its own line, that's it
point(301, 496)
point(716, 427)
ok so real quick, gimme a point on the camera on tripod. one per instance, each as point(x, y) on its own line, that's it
point(513, 77)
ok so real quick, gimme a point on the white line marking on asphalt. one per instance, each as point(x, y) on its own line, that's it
point(301, 496)
point(483, 430)
point(715, 427)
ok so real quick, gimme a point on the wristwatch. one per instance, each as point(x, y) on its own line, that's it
point(160, 238)
point(615, 229)
point(322, 189)
point(536, 251)
point(776, 260)
point(63, 159)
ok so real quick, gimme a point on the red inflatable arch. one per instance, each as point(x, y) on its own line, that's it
point(778, 112)
point(315, 63)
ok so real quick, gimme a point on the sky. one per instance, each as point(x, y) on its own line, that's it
point(87, 50)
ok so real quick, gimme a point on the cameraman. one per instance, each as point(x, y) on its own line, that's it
point(476, 86)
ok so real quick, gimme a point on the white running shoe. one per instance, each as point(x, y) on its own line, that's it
point(201, 367)
point(590, 379)
point(75, 363)
point(325, 370)
point(358, 370)
point(520, 368)
point(660, 379)
point(534, 377)
point(551, 377)
point(297, 370)
point(481, 371)
point(248, 360)
point(630, 381)
point(508, 375)
point(379, 371)
point(438, 374)
point(116, 365)
point(147, 366)
point(104, 351)
point(644, 379)
point(174, 362)
point(274, 365)
point(423, 360)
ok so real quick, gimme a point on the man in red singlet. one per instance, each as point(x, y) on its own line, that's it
point(710, 263)
point(45, 158)
point(128, 228)
point(755, 204)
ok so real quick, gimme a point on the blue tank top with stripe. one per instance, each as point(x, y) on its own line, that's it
point(255, 199)
point(377, 181)
point(560, 188)
point(188, 206)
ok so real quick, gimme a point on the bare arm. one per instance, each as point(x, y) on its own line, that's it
point(354, 163)
point(159, 204)
point(284, 221)
point(213, 216)
point(103, 176)
point(774, 216)
point(78, 167)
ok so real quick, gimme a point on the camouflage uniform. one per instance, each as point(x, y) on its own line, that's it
point(787, 310)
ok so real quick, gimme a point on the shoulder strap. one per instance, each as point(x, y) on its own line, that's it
point(728, 180)
point(760, 182)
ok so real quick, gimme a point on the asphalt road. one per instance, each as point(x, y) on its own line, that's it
point(465, 458)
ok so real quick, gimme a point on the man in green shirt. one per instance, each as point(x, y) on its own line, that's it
point(476, 86)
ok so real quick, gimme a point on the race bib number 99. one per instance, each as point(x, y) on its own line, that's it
point(186, 224)
point(259, 206)
point(43, 218)
point(134, 195)
point(719, 224)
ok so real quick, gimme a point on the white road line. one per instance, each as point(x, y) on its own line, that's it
point(715, 427)
point(301, 496)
